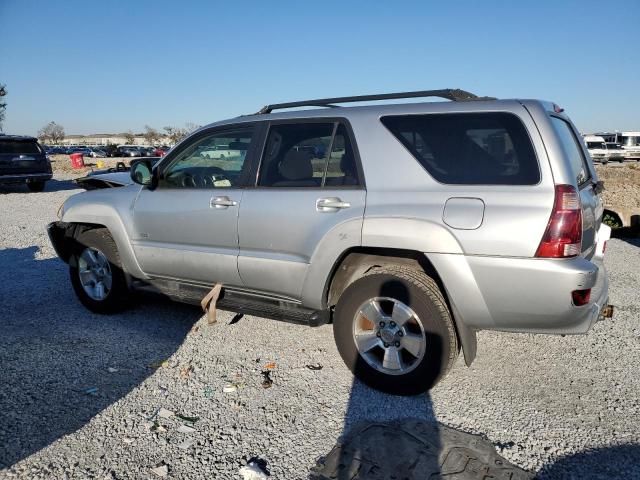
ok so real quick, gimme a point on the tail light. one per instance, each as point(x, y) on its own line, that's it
point(563, 237)
point(581, 297)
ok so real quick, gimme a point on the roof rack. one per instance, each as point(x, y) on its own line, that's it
point(453, 94)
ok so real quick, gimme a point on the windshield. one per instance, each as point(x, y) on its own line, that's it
point(630, 141)
point(596, 145)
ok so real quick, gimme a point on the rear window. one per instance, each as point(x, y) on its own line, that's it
point(18, 147)
point(490, 148)
point(572, 149)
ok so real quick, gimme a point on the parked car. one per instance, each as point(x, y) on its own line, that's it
point(631, 145)
point(96, 153)
point(111, 177)
point(23, 160)
point(160, 151)
point(615, 152)
point(423, 224)
point(83, 150)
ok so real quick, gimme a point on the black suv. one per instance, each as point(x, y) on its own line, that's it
point(23, 160)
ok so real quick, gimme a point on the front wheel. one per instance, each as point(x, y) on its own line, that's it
point(394, 331)
point(96, 273)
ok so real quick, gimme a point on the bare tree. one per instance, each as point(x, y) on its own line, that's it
point(190, 127)
point(129, 137)
point(3, 105)
point(51, 133)
point(175, 134)
point(151, 135)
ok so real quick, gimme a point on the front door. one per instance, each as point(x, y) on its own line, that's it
point(187, 227)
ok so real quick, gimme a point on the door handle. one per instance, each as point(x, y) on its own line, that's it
point(222, 202)
point(331, 204)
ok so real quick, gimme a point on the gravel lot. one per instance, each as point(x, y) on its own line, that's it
point(78, 390)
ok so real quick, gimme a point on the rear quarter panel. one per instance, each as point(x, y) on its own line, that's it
point(515, 217)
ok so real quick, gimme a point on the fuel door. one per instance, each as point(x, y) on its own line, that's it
point(463, 213)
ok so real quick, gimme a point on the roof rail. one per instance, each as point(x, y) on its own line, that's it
point(453, 94)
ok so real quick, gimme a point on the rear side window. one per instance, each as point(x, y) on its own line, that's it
point(469, 148)
point(18, 147)
point(572, 149)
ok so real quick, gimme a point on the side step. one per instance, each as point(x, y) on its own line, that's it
point(250, 303)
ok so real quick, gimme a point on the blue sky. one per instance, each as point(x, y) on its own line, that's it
point(110, 66)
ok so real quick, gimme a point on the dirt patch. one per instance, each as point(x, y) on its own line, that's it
point(621, 185)
point(62, 164)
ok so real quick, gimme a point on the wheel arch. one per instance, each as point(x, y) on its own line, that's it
point(357, 261)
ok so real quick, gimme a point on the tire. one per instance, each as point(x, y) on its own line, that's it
point(396, 287)
point(116, 295)
point(35, 186)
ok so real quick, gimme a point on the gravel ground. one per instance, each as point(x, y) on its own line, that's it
point(79, 391)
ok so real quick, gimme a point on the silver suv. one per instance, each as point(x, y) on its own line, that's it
point(408, 226)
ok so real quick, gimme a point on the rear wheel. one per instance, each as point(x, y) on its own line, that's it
point(96, 273)
point(35, 186)
point(394, 331)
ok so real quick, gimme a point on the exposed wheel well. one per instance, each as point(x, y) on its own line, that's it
point(356, 262)
point(67, 243)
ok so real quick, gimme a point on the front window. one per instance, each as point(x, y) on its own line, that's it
point(212, 161)
point(630, 141)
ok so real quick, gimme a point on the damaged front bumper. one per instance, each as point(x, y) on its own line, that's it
point(61, 237)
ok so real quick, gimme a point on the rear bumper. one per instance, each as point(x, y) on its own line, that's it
point(527, 295)
point(25, 177)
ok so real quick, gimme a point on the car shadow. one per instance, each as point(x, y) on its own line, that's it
point(631, 235)
point(52, 185)
point(375, 441)
point(55, 185)
point(61, 364)
point(608, 463)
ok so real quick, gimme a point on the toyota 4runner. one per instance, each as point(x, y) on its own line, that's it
point(408, 226)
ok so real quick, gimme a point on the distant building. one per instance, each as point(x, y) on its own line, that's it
point(108, 138)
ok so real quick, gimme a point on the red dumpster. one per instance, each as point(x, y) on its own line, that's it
point(77, 160)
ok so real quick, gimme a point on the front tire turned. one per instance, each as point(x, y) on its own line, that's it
point(96, 273)
point(394, 330)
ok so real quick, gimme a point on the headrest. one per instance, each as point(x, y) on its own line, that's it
point(296, 165)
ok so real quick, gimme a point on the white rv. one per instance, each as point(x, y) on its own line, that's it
point(597, 148)
point(631, 145)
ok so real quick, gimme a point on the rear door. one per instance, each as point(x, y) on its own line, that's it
point(309, 185)
point(584, 177)
point(20, 156)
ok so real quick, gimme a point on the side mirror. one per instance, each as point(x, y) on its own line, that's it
point(142, 172)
